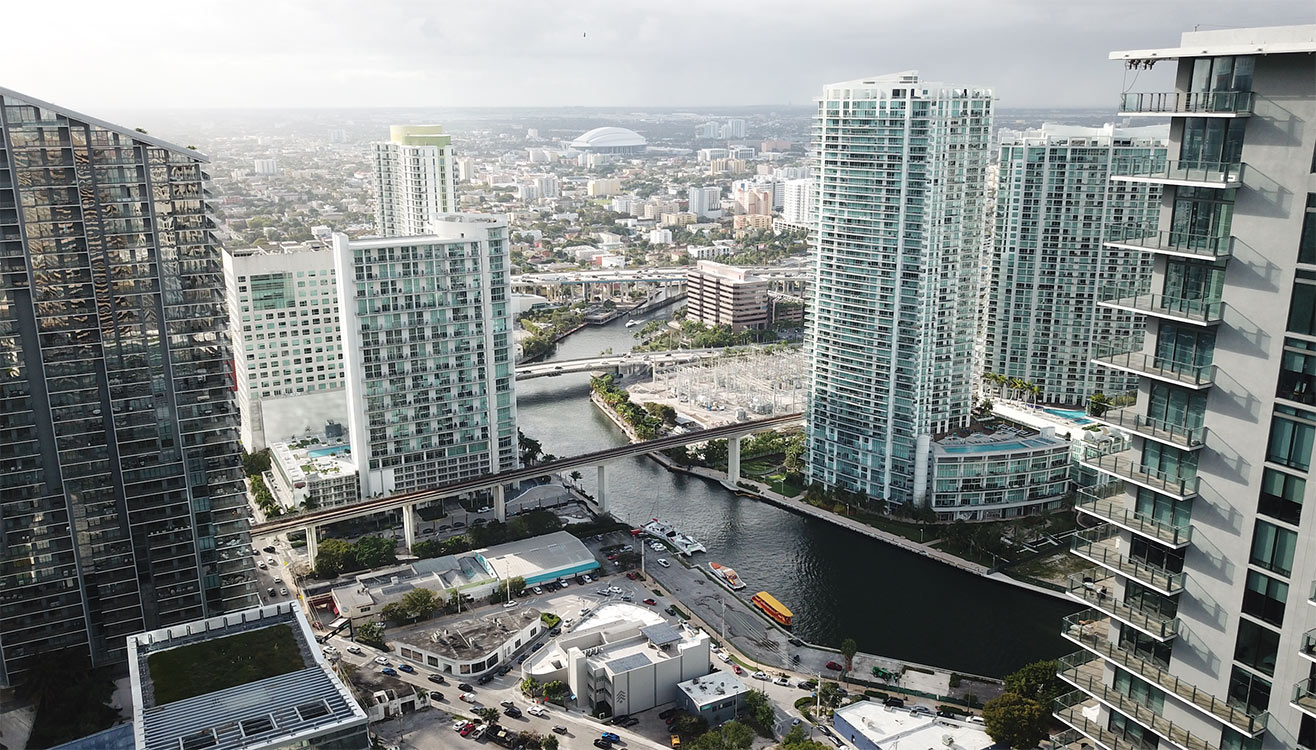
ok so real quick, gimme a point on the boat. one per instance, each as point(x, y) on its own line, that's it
point(727, 576)
point(684, 544)
point(632, 323)
point(773, 608)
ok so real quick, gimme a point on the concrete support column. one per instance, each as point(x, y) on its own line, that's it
point(409, 525)
point(500, 503)
point(733, 458)
point(602, 498)
point(312, 543)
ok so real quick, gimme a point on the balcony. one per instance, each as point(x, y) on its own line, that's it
point(1195, 103)
point(1128, 418)
point(1197, 377)
point(1304, 696)
point(1090, 630)
point(1086, 673)
point(1188, 173)
point(1102, 545)
point(1094, 502)
point(1308, 647)
point(1096, 587)
point(1200, 312)
point(1069, 709)
point(1178, 244)
point(1123, 466)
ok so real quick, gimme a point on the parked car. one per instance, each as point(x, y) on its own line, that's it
point(468, 697)
point(510, 604)
point(271, 561)
point(539, 590)
point(458, 724)
point(619, 718)
point(505, 669)
point(381, 660)
point(894, 702)
point(536, 710)
point(632, 575)
point(651, 601)
point(329, 650)
point(602, 744)
point(834, 665)
point(272, 592)
point(459, 525)
point(479, 522)
point(354, 650)
point(586, 579)
point(806, 684)
point(760, 675)
point(976, 720)
point(407, 668)
point(445, 527)
point(513, 712)
point(485, 679)
point(783, 680)
point(269, 549)
point(559, 729)
point(391, 672)
point(737, 669)
point(465, 687)
point(610, 737)
point(920, 711)
point(663, 562)
point(262, 565)
point(669, 713)
point(467, 729)
point(437, 679)
point(630, 721)
point(283, 591)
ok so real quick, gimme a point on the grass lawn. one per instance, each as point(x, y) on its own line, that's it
point(792, 487)
point(238, 659)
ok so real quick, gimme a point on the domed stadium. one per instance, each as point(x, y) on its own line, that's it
point(610, 140)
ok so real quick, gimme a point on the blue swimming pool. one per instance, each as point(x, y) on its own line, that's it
point(328, 450)
point(1077, 416)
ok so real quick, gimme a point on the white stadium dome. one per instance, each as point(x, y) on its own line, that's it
point(610, 140)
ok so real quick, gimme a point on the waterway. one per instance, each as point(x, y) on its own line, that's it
point(839, 584)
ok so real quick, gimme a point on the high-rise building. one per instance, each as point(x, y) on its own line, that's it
point(266, 166)
point(120, 478)
point(800, 202)
point(287, 351)
point(735, 128)
point(1200, 628)
point(427, 344)
point(415, 179)
point(901, 167)
point(725, 295)
point(706, 202)
point(1049, 263)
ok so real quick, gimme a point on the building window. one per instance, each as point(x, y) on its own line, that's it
point(1257, 646)
point(1281, 495)
point(1290, 443)
point(1272, 548)
point(1264, 597)
point(1248, 692)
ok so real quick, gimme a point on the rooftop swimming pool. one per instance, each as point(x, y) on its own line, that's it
point(1010, 445)
point(327, 450)
point(1077, 416)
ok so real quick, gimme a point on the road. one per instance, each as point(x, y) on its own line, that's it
point(564, 366)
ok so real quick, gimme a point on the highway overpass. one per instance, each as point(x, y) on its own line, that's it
point(310, 521)
point(614, 361)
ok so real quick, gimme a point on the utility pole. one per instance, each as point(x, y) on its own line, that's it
point(722, 598)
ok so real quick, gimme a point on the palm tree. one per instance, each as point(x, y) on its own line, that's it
point(575, 477)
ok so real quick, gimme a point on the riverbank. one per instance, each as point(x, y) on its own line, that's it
point(756, 490)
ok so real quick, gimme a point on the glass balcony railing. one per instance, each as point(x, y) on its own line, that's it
point(1103, 546)
point(1236, 103)
point(1190, 173)
point(1187, 438)
point(1183, 244)
point(1096, 587)
point(1069, 709)
point(1114, 510)
point(1090, 629)
point(1086, 672)
point(1304, 696)
point(1152, 366)
point(1201, 311)
point(1126, 467)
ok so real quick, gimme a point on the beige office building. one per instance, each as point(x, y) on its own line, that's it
point(725, 295)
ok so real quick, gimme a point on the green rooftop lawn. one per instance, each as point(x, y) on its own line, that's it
point(205, 667)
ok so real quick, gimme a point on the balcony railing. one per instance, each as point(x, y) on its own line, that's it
point(1224, 103)
point(1101, 545)
point(1085, 672)
point(1129, 418)
point(1069, 709)
point(1190, 173)
point(1182, 244)
point(1097, 588)
point(1122, 465)
point(1152, 366)
point(1115, 511)
point(1304, 696)
point(1199, 311)
point(1090, 629)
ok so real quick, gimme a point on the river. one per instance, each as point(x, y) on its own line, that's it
point(839, 584)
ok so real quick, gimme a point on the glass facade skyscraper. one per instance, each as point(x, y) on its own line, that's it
point(120, 480)
point(901, 170)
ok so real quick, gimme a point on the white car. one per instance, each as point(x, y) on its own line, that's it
point(381, 660)
point(760, 675)
point(663, 562)
point(782, 681)
point(538, 590)
point(536, 710)
point(353, 650)
point(283, 592)
point(458, 724)
point(510, 604)
point(724, 656)
point(271, 561)
point(485, 509)
point(262, 565)
point(614, 589)
point(330, 650)
point(586, 579)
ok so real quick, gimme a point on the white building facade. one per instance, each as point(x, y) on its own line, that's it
point(706, 202)
point(287, 348)
point(800, 202)
point(901, 167)
point(415, 179)
point(427, 354)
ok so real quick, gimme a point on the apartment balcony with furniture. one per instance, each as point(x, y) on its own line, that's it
point(1304, 696)
point(1185, 172)
point(1195, 103)
point(1072, 709)
point(1112, 507)
point(1131, 419)
point(1096, 588)
point(1103, 546)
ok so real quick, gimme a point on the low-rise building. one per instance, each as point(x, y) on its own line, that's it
point(719, 294)
point(187, 694)
point(468, 647)
point(869, 725)
point(1005, 471)
point(315, 471)
point(714, 698)
point(385, 697)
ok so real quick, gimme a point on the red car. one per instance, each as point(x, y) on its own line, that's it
point(834, 665)
point(613, 556)
point(650, 602)
point(467, 729)
point(636, 532)
point(632, 575)
point(737, 668)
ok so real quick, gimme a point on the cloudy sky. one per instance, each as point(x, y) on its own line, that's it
point(449, 53)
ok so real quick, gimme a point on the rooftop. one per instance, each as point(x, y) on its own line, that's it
point(1051, 132)
point(439, 574)
point(889, 728)
point(467, 639)
point(1004, 438)
point(528, 558)
point(608, 136)
point(314, 458)
point(134, 134)
point(712, 688)
point(1266, 40)
point(186, 696)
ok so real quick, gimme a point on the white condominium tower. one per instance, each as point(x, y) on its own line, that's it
point(901, 169)
point(288, 357)
point(428, 354)
point(1201, 632)
point(1049, 264)
point(415, 178)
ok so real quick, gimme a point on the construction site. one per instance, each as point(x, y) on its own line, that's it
point(731, 388)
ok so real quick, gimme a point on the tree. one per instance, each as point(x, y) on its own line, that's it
point(549, 742)
point(848, 649)
point(488, 713)
point(394, 612)
point(689, 726)
point(1100, 404)
point(796, 740)
point(516, 584)
point(829, 694)
point(531, 450)
point(420, 603)
point(372, 634)
point(333, 557)
point(1037, 682)
point(1015, 720)
point(374, 552)
point(794, 453)
point(255, 464)
point(730, 736)
point(576, 477)
point(759, 710)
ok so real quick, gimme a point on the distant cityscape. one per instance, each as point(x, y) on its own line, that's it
point(268, 482)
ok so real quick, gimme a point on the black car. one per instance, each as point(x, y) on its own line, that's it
point(669, 713)
point(268, 549)
point(479, 522)
point(796, 642)
point(619, 719)
point(505, 669)
point(602, 743)
point(485, 679)
point(459, 525)
point(559, 729)
point(435, 696)
point(630, 721)
point(522, 659)
point(437, 679)
point(513, 712)
point(806, 684)
point(536, 647)
point(894, 702)
point(465, 687)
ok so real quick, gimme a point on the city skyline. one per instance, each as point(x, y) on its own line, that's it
point(599, 54)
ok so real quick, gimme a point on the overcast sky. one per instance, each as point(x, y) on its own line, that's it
point(448, 53)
